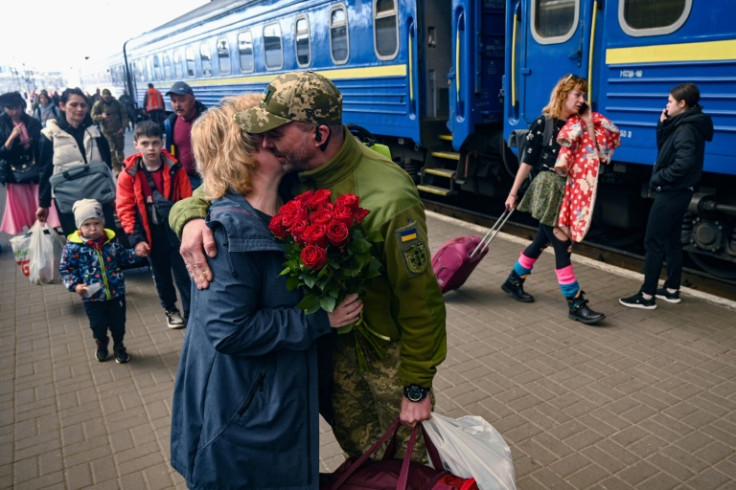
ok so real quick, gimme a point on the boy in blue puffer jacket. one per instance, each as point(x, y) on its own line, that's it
point(90, 266)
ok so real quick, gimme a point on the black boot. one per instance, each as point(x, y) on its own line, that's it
point(101, 352)
point(514, 286)
point(580, 312)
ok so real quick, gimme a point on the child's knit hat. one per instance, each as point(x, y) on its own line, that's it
point(85, 209)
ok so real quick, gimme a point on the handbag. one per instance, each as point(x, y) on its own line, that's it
point(90, 181)
point(389, 473)
point(23, 171)
point(470, 446)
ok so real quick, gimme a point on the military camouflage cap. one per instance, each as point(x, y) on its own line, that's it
point(306, 97)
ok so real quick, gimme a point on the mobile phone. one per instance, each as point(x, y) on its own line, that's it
point(666, 113)
point(583, 108)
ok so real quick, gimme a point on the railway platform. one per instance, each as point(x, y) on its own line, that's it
point(647, 400)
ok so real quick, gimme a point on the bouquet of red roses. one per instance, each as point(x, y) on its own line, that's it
point(329, 257)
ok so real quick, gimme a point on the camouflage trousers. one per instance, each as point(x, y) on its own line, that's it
point(117, 149)
point(367, 403)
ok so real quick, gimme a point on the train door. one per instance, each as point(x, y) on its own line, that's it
point(476, 66)
point(547, 40)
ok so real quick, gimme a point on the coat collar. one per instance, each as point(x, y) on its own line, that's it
point(338, 168)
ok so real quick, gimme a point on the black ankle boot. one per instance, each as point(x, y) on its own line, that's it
point(580, 312)
point(101, 353)
point(514, 286)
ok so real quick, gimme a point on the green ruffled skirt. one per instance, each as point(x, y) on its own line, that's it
point(543, 198)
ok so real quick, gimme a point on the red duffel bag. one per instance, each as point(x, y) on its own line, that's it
point(394, 474)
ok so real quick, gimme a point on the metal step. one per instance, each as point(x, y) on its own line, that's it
point(442, 172)
point(433, 189)
point(446, 137)
point(448, 155)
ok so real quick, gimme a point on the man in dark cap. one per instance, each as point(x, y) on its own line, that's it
point(178, 126)
point(112, 118)
point(300, 122)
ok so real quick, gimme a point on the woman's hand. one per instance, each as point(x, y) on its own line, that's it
point(511, 202)
point(42, 214)
point(347, 312)
point(13, 134)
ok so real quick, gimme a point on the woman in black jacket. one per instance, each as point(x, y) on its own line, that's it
point(19, 166)
point(682, 132)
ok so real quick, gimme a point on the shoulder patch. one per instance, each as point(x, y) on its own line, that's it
point(413, 249)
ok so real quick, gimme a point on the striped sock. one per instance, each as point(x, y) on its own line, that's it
point(568, 284)
point(523, 266)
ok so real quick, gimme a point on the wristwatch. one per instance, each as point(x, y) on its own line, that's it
point(415, 393)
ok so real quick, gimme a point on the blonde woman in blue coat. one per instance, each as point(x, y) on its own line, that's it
point(245, 411)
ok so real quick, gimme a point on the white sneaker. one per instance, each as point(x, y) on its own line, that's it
point(174, 319)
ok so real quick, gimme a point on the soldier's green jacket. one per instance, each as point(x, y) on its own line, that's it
point(405, 302)
point(117, 118)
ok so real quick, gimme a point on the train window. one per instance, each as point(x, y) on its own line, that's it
point(339, 43)
point(149, 68)
point(385, 29)
point(179, 65)
point(303, 48)
point(204, 55)
point(189, 53)
point(652, 17)
point(223, 56)
point(166, 60)
point(157, 67)
point(554, 21)
point(245, 51)
point(272, 47)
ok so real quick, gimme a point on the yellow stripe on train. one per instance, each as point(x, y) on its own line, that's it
point(345, 73)
point(703, 51)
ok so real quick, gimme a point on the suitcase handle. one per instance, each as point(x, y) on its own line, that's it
point(488, 238)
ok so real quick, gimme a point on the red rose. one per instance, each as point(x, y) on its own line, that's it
point(297, 229)
point(343, 214)
point(314, 257)
point(292, 212)
point(349, 200)
point(328, 206)
point(304, 196)
point(314, 234)
point(318, 198)
point(277, 227)
point(359, 215)
point(337, 233)
point(321, 216)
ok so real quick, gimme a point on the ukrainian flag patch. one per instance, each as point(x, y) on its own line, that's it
point(407, 234)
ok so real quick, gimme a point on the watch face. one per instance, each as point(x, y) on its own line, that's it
point(415, 393)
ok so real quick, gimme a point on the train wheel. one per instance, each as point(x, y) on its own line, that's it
point(722, 269)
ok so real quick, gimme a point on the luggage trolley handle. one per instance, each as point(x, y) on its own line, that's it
point(488, 238)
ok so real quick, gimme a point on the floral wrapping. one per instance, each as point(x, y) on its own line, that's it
point(579, 160)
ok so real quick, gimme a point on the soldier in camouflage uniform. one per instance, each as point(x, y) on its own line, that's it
point(300, 121)
point(112, 118)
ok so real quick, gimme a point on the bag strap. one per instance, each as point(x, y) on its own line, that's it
point(151, 184)
point(547, 131)
point(403, 480)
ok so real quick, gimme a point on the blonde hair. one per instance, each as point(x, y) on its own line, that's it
point(223, 152)
point(559, 94)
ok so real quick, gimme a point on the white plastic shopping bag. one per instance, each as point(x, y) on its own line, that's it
point(20, 245)
point(471, 447)
point(44, 253)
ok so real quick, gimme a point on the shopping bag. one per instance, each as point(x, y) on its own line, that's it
point(394, 474)
point(20, 244)
point(44, 253)
point(471, 447)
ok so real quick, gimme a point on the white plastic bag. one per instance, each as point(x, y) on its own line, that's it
point(471, 447)
point(44, 253)
point(20, 244)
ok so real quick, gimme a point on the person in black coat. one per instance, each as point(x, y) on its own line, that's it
point(682, 132)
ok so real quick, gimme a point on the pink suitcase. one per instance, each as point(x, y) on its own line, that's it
point(455, 260)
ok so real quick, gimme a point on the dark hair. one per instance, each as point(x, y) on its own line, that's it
point(147, 128)
point(688, 92)
point(72, 91)
point(12, 100)
point(150, 85)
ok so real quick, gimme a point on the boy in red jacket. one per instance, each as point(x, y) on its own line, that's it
point(151, 181)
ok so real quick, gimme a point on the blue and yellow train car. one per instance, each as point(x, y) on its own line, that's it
point(445, 84)
point(633, 52)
